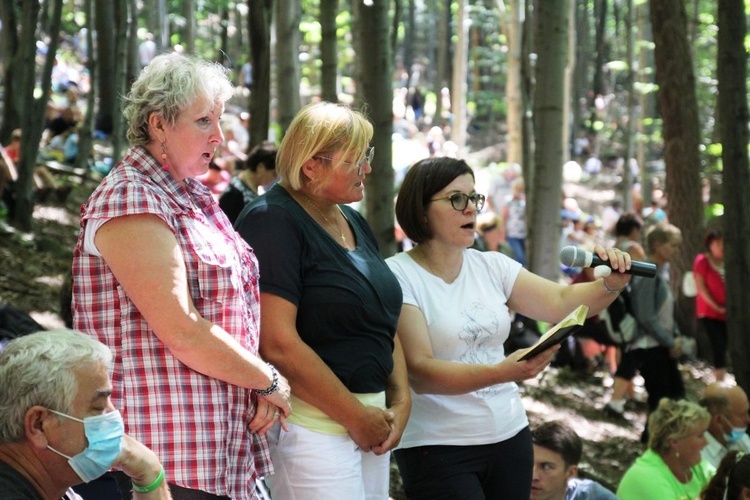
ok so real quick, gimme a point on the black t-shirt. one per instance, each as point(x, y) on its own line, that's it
point(348, 301)
point(14, 486)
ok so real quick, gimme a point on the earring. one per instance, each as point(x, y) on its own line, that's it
point(164, 165)
point(677, 453)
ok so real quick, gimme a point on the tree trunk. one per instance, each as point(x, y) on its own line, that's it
point(631, 116)
point(188, 39)
point(85, 140)
point(513, 91)
point(459, 90)
point(106, 55)
point(443, 57)
point(33, 110)
point(259, 20)
point(733, 123)
point(328, 53)
point(681, 132)
point(11, 69)
point(122, 28)
point(374, 96)
point(544, 226)
point(288, 15)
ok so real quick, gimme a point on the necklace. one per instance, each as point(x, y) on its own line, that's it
point(331, 224)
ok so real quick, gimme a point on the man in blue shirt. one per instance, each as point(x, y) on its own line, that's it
point(557, 451)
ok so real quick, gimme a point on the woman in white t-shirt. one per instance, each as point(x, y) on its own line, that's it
point(468, 435)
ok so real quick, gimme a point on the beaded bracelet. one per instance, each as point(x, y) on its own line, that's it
point(151, 487)
point(274, 385)
point(609, 290)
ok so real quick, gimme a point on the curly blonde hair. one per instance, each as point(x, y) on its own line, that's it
point(674, 420)
point(169, 85)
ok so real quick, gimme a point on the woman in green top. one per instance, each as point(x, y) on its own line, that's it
point(671, 468)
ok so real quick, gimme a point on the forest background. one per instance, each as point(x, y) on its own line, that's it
point(663, 82)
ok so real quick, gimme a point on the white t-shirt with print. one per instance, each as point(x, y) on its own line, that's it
point(468, 322)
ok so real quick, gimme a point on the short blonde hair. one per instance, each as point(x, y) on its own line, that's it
point(320, 129)
point(169, 85)
point(674, 420)
point(661, 233)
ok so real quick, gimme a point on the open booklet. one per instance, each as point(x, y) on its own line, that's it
point(561, 331)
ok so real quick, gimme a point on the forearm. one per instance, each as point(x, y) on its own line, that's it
point(313, 381)
point(437, 376)
point(397, 391)
point(208, 349)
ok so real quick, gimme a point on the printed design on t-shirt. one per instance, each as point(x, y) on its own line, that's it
point(477, 332)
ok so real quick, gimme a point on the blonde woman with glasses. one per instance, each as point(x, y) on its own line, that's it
point(330, 306)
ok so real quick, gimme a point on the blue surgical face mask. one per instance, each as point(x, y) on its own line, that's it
point(735, 434)
point(104, 433)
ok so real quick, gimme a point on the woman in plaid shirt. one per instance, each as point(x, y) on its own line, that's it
point(162, 279)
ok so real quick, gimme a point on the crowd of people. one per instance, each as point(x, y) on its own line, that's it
point(250, 341)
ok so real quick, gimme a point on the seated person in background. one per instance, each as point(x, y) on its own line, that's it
point(216, 178)
point(557, 451)
point(13, 150)
point(728, 406)
point(671, 467)
point(258, 171)
point(58, 427)
point(492, 234)
point(732, 479)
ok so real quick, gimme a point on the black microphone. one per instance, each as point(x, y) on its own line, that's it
point(575, 257)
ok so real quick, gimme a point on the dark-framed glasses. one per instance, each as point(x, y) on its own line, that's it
point(369, 156)
point(459, 201)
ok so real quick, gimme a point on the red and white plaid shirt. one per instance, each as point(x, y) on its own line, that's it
point(197, 425)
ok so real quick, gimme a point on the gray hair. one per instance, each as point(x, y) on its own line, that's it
point(39, 370)
point(169, 85)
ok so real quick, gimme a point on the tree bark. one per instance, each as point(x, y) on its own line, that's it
point(259, 20)
point(328, 53)
point(288, 15)
point(106, 55)
point(11, 69)
point(681, 132)
point(374, 97)
point(733, 123)
point(513, 91)
point(544, 226)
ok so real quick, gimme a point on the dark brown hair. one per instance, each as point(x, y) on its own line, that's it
point(422, 181)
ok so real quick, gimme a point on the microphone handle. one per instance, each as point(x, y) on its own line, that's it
point(637, 268)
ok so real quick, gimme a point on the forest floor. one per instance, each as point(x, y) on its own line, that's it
point(34, 266)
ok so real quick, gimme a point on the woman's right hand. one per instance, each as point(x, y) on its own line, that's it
point(372, 428)
point(519, 371)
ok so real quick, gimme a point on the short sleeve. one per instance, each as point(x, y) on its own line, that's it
point(278, 243)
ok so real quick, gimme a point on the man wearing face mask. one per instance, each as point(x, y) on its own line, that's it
point(58, 427)
point(730, 416)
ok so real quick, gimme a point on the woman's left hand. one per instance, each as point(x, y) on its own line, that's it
point(619, 263)
point(397, 416)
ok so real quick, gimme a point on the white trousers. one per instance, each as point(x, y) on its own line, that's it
point(313, 466)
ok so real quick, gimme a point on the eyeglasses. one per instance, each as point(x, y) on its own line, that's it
point(369, 156)
point(459, 201)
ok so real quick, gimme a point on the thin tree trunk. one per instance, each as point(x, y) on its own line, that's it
point(552, 30)
point(458, 94)
point(681, 131)
point(259, 20)
point(374, 96)
point(733, 123)
point(513, 91)
point(288, 15)
point(85, 140)
point(328, 52)
point(32, 119)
